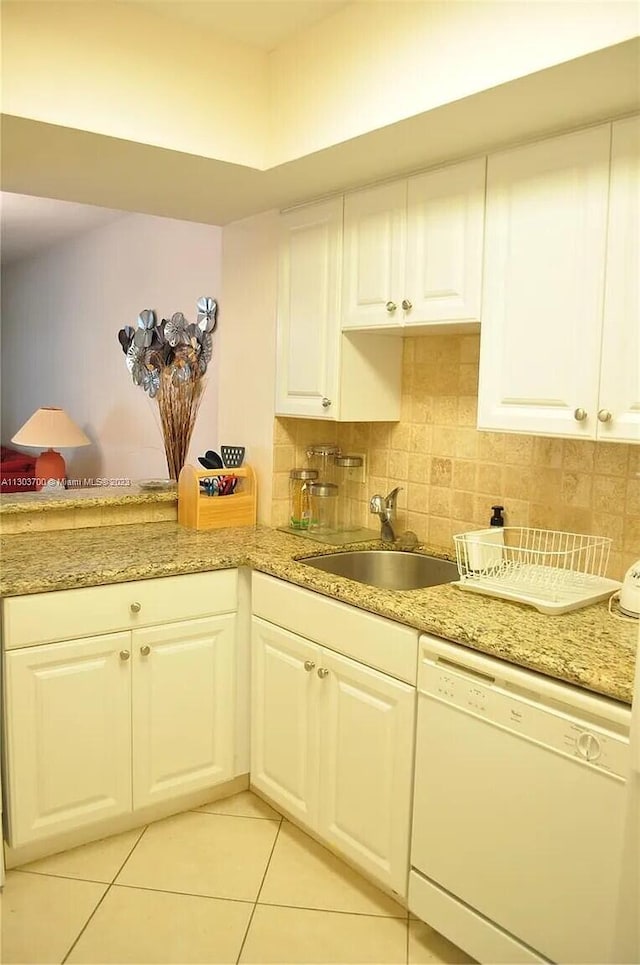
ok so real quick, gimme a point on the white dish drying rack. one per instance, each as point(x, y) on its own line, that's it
point(553, 571)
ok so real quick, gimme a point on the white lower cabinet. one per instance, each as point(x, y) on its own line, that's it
point(183, 708)
point(103, 725)
point(283, 713)
point(332, 742)
point(68, 735)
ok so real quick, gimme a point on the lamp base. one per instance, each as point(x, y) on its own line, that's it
point(50, 469)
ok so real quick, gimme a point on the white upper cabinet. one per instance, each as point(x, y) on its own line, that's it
point(619, 402)
point(545, 242)
point(413, 251)
point(375, 230)
point(321, 373)
point(309, 309)
point(445, 244)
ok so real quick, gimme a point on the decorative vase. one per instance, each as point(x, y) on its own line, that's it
point(178, 404)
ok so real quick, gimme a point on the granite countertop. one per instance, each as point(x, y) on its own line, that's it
point(587, 647)
point(90, 498)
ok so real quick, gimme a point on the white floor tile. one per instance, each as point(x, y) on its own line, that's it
point(297, 936)
point(98, 861)
point(245, 805)
point(42, 916)
point(152, 927)
point(304, 874)
point(202, 854)
point(427, 946)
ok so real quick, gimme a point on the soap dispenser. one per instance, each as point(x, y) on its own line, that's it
point(485, 546)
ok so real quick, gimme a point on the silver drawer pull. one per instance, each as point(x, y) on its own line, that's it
point(323, 672)
point(391, 307)
point(145, 650)
point(309, 665)
point(604, 415)
point(124, 654)
point(580, 415)
point(136, 607)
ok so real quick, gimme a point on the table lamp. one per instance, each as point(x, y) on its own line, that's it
point(50, 427)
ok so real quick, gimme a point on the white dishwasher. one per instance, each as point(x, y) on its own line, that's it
point(518, 809)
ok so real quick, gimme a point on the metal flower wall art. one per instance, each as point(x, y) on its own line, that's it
point(168, 359)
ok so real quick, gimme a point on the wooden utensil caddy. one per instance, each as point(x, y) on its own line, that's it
point(197, 510)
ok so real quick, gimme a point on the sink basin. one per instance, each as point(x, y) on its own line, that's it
point(387, 569)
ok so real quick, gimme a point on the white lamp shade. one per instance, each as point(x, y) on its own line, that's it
point(52, 428)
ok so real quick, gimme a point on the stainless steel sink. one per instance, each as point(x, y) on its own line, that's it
point(386, 569)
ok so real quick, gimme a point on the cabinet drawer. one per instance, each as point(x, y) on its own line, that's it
point(67, 614)
point(370, 639)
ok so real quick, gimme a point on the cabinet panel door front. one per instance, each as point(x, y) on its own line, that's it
point(68, 735)
point(283, 719)
point(620, 379)
point(375, 225)
point(308, 349)
point(544, 285)
point(445, 243)
point(183, 707)
point(366, 763)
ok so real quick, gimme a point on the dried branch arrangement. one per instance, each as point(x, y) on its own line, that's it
point(168, 359)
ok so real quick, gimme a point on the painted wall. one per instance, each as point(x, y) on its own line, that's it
point(61, 312)
point(248, 344)
point(118, 70)
point(114, 69)
point(451, 473)
point(372, 64)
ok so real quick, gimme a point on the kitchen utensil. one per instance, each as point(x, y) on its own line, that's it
point(210, 460)
point(232, 456)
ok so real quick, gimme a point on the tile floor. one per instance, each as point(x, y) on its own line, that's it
point(230, 882)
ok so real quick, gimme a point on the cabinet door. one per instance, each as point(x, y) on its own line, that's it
point(183, 707)
point(444, 244)
point(68, 735)
point(366, 767)
point(620, 373)
point(544, 285)
point(284, 761)
point(308, 341)
point(375, 227)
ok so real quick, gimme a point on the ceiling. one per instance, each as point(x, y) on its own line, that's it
point(30, 224)
point(264, 24)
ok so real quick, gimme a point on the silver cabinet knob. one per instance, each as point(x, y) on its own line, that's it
point(580, 415)
point(124, 654)
point(391, 307)
point(406, 305)
point(323, 672)
point(145, 650)
point(136, 607)
point(309, 665)
point(326, 403)
point(604, 415)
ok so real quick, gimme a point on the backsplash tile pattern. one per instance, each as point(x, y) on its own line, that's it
point(451, 473)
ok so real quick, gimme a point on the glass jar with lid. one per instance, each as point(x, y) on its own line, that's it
point(322, 457)
point(324, 507)
point(299, 503)
point(348, 469)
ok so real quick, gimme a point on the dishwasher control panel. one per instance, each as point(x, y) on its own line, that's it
point(519, 707)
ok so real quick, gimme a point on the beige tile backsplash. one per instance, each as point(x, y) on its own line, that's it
point(451, 473)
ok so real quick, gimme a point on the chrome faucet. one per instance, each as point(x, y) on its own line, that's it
point(385, 508)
